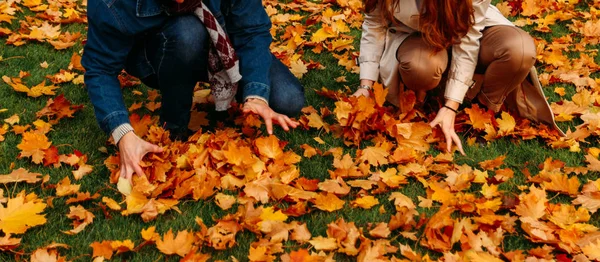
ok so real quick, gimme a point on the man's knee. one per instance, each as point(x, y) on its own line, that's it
point(190, 39)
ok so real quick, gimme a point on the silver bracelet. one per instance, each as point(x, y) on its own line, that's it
point(368, 87)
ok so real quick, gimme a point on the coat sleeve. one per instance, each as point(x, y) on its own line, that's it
point(372, 43)
point(465, 55)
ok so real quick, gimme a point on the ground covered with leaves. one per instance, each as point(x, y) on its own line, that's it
point(358, 180)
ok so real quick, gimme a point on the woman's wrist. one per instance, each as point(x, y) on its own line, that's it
point(452, 104)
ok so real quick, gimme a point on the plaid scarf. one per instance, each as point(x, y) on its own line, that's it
point(223, 64)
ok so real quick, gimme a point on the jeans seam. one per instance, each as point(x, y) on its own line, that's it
point(148, 60)
point(164, 50)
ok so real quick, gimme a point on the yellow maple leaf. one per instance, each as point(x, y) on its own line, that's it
point(366, 202)
point(322, 34)
point(111, 203)
point(20, 214)
point(329, 202)
point(149, 234)
point(506, 124)
point(269, 214)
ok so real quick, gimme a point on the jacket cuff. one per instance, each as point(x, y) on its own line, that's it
point(256, 90)
point(257, 97)
point(456, 90)
point(114, 120)
point(369, 71)
point(120, 131)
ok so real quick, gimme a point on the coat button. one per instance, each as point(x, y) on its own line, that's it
point(392, 30)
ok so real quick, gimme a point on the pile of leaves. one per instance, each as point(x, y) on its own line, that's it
point(463, 211)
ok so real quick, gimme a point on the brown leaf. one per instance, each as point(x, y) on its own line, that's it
point(20, 175)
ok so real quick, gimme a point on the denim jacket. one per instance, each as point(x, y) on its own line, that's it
point(113, 26)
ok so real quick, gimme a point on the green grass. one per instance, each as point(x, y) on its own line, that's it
point(83, 134)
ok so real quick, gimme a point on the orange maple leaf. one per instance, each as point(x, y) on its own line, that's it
point(269, 147)
point(102, 249)
point(375, 156)
point(81, 219)
point(180, 245)
point(478, 117)
point(33, 145)
point(329, 202)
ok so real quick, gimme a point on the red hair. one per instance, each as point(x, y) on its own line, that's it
point(442, 22)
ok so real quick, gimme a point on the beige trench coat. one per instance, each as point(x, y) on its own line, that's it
point(380, 41)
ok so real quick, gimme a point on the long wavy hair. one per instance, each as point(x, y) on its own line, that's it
point(442, 22)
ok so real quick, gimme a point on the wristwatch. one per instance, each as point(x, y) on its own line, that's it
point(368, 87)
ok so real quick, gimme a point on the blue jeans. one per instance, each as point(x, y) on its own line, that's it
point(174, 57)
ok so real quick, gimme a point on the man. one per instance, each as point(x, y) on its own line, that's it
point(169, 52)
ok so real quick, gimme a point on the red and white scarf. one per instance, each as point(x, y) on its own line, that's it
point(223, 64)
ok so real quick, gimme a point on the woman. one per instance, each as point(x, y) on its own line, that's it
point(416, 41)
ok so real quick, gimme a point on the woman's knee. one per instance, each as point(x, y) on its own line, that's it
point(423, 70)
point(518, 50)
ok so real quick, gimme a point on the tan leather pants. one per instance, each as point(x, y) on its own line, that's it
point(506, 55)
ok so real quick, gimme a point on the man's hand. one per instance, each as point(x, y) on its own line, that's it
point(131, 150)
point(259, 107)
point(445, 118)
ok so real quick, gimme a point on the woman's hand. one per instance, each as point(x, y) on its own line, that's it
point(362, 92)
point(261, 108)
point(445, 118)
point(131, 151)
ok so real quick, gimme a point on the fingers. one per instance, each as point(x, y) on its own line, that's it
point(283, 122)
point(152, 148)
point(435, 122)
point(126, 172)
point(138, 170)
point(448, 140)
point(269, 124)
point(458, 143)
